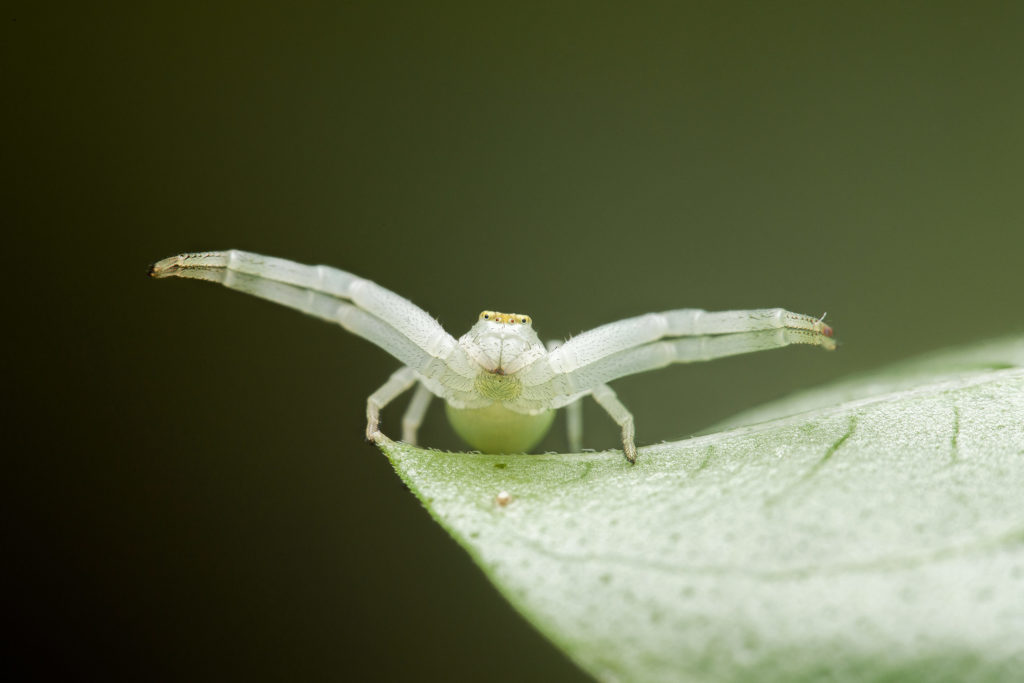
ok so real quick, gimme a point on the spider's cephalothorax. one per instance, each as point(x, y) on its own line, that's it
point(500, 384)
point(502, 343)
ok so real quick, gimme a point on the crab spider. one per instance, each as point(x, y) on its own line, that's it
point(500, 384)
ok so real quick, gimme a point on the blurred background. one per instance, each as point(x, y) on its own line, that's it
point(191, 496)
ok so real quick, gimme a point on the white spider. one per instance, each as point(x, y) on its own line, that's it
point(500, 384)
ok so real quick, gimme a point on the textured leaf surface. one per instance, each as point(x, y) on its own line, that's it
point(873, 530)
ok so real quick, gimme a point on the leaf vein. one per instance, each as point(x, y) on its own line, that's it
point(816, 467)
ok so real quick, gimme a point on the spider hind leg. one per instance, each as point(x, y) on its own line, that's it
point(607, 399)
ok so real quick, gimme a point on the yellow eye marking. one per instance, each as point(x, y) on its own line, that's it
point(506, 318)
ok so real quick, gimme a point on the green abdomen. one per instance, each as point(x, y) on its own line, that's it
point(496, 429)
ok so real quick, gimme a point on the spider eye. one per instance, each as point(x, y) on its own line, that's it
point(524, 320)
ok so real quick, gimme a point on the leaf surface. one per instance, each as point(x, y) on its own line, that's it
point(869, 530)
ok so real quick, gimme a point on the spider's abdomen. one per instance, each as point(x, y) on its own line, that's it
point(496, 429)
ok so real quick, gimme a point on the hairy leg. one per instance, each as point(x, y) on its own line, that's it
point(365, 308)
point(564, 388)
point(399, 382)
point(414, 414)
point(607, 340)
point(607, 399)
point(574, 425)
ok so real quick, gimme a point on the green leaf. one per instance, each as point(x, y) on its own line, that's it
point(872, 530)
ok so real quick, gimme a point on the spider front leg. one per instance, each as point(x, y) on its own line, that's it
point(399, 382)
point(607, 399)
point(608, 340)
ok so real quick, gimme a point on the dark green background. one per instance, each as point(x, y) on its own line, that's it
point(192, 494)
